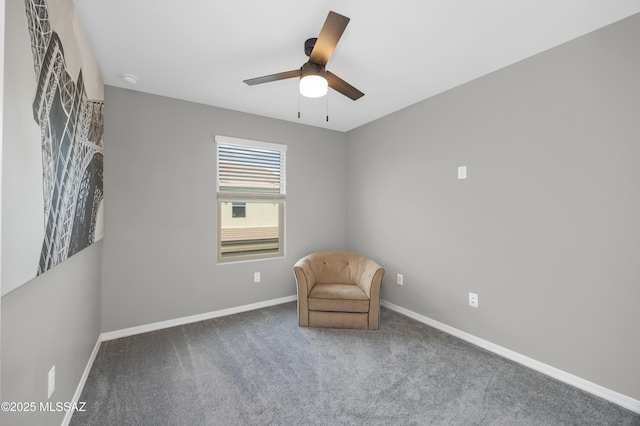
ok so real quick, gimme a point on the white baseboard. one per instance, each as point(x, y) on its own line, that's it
point(83, 380)
point(193, 318)
point(600, 391)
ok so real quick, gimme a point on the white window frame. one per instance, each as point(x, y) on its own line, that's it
point(247, 196)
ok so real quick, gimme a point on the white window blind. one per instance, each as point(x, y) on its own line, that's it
point(250, 169)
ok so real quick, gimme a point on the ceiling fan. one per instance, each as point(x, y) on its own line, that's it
point(314, 78)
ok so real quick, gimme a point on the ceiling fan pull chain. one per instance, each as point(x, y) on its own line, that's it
point(327, 107)
point(298, 104)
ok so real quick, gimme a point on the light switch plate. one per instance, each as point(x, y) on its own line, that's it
point(462, 172)
point(473, 300)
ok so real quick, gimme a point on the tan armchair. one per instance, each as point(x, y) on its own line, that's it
point(338, 290)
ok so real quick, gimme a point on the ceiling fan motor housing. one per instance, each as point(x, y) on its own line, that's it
point(309, 68)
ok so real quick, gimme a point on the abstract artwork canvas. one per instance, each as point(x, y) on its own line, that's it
point(52, 216)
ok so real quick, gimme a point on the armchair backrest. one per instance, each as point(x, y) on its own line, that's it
point(335, 267)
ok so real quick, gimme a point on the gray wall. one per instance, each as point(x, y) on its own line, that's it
point(546, 228)
point(159, 258)
point(52, 320)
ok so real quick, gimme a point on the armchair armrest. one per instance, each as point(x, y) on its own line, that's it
point(305, 280)
point(371, 277)
point(305, 277)
point(370, 282)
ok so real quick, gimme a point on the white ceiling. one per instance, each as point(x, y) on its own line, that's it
point(397, 52)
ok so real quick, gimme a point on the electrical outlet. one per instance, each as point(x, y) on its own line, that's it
point(462, 172)
point(52, 381)
point(256, 277)
point(473, 300)
point(400, 279)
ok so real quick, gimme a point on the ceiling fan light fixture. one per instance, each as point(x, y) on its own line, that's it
point(313, 83)
point(313, 86)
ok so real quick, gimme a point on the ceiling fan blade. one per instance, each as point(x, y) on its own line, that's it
point(329, 36)
point(273, 77)
point(339, 85)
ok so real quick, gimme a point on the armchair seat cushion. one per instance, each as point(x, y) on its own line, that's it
point(338, 298)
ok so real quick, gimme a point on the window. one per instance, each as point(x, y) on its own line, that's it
point(251, 199)
point(238, 209)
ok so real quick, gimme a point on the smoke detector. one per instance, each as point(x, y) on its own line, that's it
point(129, 78)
